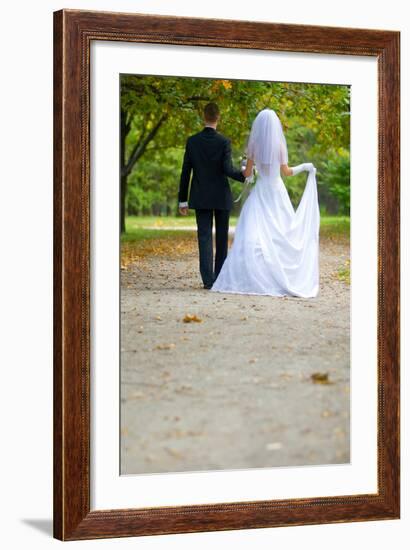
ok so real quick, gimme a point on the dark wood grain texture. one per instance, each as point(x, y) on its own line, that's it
point(58, 279)
point(73, 32)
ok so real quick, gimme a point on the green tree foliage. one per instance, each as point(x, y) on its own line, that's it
point(337, 169)
point(159, 113)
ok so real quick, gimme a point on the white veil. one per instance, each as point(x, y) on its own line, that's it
point(267, 144)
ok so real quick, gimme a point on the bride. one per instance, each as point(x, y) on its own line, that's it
point(275, 250)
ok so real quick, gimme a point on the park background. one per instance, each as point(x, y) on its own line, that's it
point(158, 114)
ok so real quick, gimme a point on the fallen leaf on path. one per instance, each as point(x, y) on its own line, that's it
point(137, 395)
point(275, 446)
point(320, 378)
point(191, 319)
point(174, 453)
point(165, 346)
point(174, 246)
point(184, 388)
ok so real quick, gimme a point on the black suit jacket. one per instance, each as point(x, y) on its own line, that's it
point(208, 157)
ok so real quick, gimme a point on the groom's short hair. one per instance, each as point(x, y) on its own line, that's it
point(211, 112)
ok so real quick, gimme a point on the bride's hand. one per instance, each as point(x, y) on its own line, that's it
point(247, 171)
point(311, 167)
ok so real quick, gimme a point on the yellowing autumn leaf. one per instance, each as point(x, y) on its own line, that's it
point(170, 247)
point(191, 319)
point(165, 346)
point(320, 378)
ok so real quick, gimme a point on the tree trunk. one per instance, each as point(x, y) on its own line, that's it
point(138, 151)
point(122, 205)
point(123, 178)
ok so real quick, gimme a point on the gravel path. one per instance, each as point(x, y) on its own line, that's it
point(234, 390)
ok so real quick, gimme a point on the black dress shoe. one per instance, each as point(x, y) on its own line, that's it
point(207, 287)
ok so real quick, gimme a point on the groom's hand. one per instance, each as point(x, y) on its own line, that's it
point(183, 210)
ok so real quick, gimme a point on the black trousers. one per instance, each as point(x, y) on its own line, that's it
point(204, 221)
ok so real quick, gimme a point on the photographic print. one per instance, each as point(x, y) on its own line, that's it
point(204, 320)
point(235, 274)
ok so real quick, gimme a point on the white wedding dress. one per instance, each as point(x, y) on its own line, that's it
point(275, 250)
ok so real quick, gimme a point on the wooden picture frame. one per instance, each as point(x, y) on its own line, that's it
point(73, 33)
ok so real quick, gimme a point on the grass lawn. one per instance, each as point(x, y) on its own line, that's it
point(138, 222)
point(335, 226)
point(147, 227)
point(176, 236)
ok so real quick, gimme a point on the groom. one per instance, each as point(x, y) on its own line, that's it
point(208, 157)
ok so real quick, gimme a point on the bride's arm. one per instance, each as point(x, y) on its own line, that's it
point(247, 171)
point(306, 166)
point(285, 170)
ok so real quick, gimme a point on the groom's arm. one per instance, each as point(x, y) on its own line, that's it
point(185, 179)
point(228, 169)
